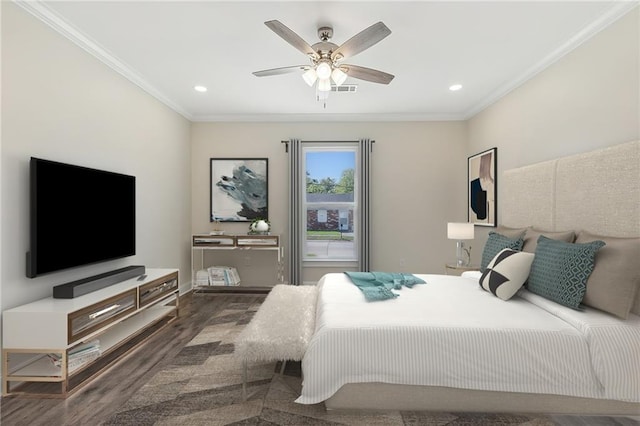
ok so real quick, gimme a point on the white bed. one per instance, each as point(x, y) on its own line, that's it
point(451, 333)
point(449, 345)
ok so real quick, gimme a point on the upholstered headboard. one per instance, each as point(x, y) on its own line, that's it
point(598, 191)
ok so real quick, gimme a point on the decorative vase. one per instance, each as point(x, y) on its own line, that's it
point(261, 226)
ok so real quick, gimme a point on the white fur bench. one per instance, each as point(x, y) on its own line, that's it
point(281, 328)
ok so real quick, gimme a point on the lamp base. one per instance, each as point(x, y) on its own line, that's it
point(463, 257)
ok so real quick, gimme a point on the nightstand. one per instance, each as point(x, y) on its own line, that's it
point(454, 269)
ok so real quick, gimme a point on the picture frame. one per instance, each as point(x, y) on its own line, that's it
point(482, 188)
point(239, 189)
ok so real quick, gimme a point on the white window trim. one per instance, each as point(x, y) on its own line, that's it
point(331, 262)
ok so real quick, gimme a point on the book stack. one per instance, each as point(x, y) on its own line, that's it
point(202, 278)
point(79, 355)
point(223, 275)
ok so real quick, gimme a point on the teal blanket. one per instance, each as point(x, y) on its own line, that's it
point(378, 285)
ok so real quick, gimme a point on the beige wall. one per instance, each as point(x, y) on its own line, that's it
point(586, 100)
point(418, 181)
point(589, 99)
point(60, 103)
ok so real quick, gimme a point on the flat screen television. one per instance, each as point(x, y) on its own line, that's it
point(78, 216)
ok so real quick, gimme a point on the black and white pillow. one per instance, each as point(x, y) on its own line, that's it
point(506, 273)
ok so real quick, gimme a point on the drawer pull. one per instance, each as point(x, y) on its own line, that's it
point(103, 311)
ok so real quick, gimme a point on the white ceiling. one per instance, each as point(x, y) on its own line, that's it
point(169, 47)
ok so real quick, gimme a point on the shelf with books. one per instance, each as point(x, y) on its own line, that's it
point(206, 248)
point(77, 356)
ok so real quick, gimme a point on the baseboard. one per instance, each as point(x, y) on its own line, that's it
point(239, 289)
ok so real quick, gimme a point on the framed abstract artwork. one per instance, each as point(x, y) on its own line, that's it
point(482, 188)
point(239, 189)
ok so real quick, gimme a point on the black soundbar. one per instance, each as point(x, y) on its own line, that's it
point(96, 282)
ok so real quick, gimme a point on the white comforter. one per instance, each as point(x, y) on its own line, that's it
point(449, 332)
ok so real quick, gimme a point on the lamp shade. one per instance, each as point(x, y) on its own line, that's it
point(338, 76)
point(323, 70)
point(460, 231)
point(310, 76)
point(324, 85)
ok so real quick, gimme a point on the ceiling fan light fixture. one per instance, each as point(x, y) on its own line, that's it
point(338, 76)
point(324, 70)
point(322, 96)
point(310, 76)
point(325, 58)
point(324, 85)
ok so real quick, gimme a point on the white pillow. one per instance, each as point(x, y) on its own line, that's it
point(506, 273)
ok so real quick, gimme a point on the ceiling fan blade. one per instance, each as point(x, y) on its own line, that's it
point(367, 74)
point(278, 71)
point(292, 38)
point(362, 41)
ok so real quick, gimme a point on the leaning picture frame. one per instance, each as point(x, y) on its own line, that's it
point(239, 189)
point(482, 185)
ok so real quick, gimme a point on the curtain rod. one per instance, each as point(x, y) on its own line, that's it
point(286, 148)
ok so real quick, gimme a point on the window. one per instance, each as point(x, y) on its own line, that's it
point(330, 202)
point(304, 262)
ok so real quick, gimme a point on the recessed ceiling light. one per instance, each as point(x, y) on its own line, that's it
point(200, 89)
point(455, 87)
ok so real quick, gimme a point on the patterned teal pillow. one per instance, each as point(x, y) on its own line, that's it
point(495, 244)
point(560, 270)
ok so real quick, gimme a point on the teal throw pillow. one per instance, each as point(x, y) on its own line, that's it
point(495, 244)
point(560, 270)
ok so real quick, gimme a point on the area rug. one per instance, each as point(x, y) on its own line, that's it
point(203, 386)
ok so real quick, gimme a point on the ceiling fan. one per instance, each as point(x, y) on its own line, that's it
point(326, 57)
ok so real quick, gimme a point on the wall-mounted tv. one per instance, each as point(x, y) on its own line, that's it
point(78, 216)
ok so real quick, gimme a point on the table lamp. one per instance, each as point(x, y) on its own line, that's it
point(459, 232)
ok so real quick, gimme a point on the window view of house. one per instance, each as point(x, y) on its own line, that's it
point(330, 203)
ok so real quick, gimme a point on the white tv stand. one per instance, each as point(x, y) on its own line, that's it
point(127, 312)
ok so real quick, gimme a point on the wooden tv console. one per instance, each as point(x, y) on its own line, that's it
point(41, 340)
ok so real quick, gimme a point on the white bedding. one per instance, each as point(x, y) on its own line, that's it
point(449, 332)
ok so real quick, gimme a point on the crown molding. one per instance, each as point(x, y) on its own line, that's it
point(617, 11)
point(52, 19)
point(42, 12)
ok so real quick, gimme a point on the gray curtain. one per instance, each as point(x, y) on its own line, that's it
point(294, 148)
point(297, 218)
point(364, 205)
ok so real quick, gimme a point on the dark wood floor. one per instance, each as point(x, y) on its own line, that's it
point(98, 400)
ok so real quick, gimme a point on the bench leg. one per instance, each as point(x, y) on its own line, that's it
point(281, 378)
point(244, 380)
